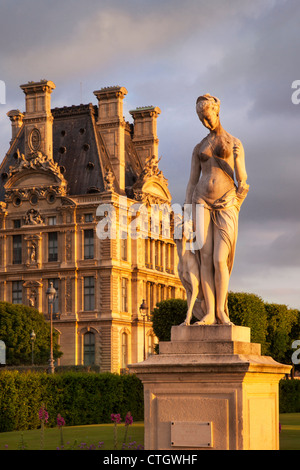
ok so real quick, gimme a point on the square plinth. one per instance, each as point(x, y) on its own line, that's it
point(210, 374)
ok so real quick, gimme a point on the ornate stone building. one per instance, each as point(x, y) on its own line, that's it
point(85, 206)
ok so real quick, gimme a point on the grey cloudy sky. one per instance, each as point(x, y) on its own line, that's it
point(166, 53)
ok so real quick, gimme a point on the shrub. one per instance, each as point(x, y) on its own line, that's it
point(82, 398)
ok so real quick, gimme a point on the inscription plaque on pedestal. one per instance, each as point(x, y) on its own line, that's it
point(189, 434)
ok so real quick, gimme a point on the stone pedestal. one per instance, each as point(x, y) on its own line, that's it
point(210, 388)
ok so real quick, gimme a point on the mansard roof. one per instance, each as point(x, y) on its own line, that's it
point(80, 149)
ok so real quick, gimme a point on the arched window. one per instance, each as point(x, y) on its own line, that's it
point(89, 349)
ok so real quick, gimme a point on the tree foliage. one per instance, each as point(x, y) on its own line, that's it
point(16, 323)
point(166, 314)
point(281, 320)
point(249, 310)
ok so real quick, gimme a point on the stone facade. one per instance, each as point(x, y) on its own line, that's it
point(68, 173)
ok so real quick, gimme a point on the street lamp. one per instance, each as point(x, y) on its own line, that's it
point(51, 294)
point(143, 310)
point(32, 337)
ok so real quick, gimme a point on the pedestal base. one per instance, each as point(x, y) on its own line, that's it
point(210, 388)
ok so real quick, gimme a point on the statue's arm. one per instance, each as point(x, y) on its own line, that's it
point(240, 169)
point(194, 175)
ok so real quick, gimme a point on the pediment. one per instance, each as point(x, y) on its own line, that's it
point(153, 190)
point(36, 170)
point(32, 179)
point(156, 187)
point(151, 185)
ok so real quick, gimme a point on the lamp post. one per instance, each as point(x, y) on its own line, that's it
point(51, 294)
point(32, 337)
point(143, 310)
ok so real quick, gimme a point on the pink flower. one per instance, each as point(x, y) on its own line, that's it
point(43, 414)
point(128, 419)
point(60, 421)
point(116, 418)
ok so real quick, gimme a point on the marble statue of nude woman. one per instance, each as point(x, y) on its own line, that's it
point(216, 189)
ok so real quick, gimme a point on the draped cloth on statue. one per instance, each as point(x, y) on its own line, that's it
point(224, 214)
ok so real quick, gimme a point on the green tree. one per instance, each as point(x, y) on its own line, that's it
point(166, 314)
point(16, 323)
point(281, 320)
point(249, 310)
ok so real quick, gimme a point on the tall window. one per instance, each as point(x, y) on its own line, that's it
point(124, 359)
point(147, 251)
point(17, 249)
point(89, 293)
point(89, 349)
point(167, 256)
point(56, 302)
point(124, 294)
point(17, 292)
point(52, 246)
point(157, 255)
point(89, 244)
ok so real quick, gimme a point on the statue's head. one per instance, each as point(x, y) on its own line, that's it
point(208, 108)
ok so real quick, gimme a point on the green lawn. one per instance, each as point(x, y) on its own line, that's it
point(290, 431)
point(85, 436)
point(79, 437)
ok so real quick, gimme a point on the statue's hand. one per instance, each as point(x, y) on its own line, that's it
point(243, 189)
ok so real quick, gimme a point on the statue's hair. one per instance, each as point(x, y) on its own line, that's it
point(208, 100)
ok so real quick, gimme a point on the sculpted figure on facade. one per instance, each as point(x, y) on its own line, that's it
point(109, 180)
point(35, 161)
point(33, 217)
point(214, 200)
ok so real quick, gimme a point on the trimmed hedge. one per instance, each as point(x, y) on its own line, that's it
point(81, 398)
point(87, 398)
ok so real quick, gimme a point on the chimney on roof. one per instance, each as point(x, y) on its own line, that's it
point(16, 118)
point(38, 119)
point(145, 131)
point(111, 124)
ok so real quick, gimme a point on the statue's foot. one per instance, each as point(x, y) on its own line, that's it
point(206, 320)
point(185, 323)
point(223, 319)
